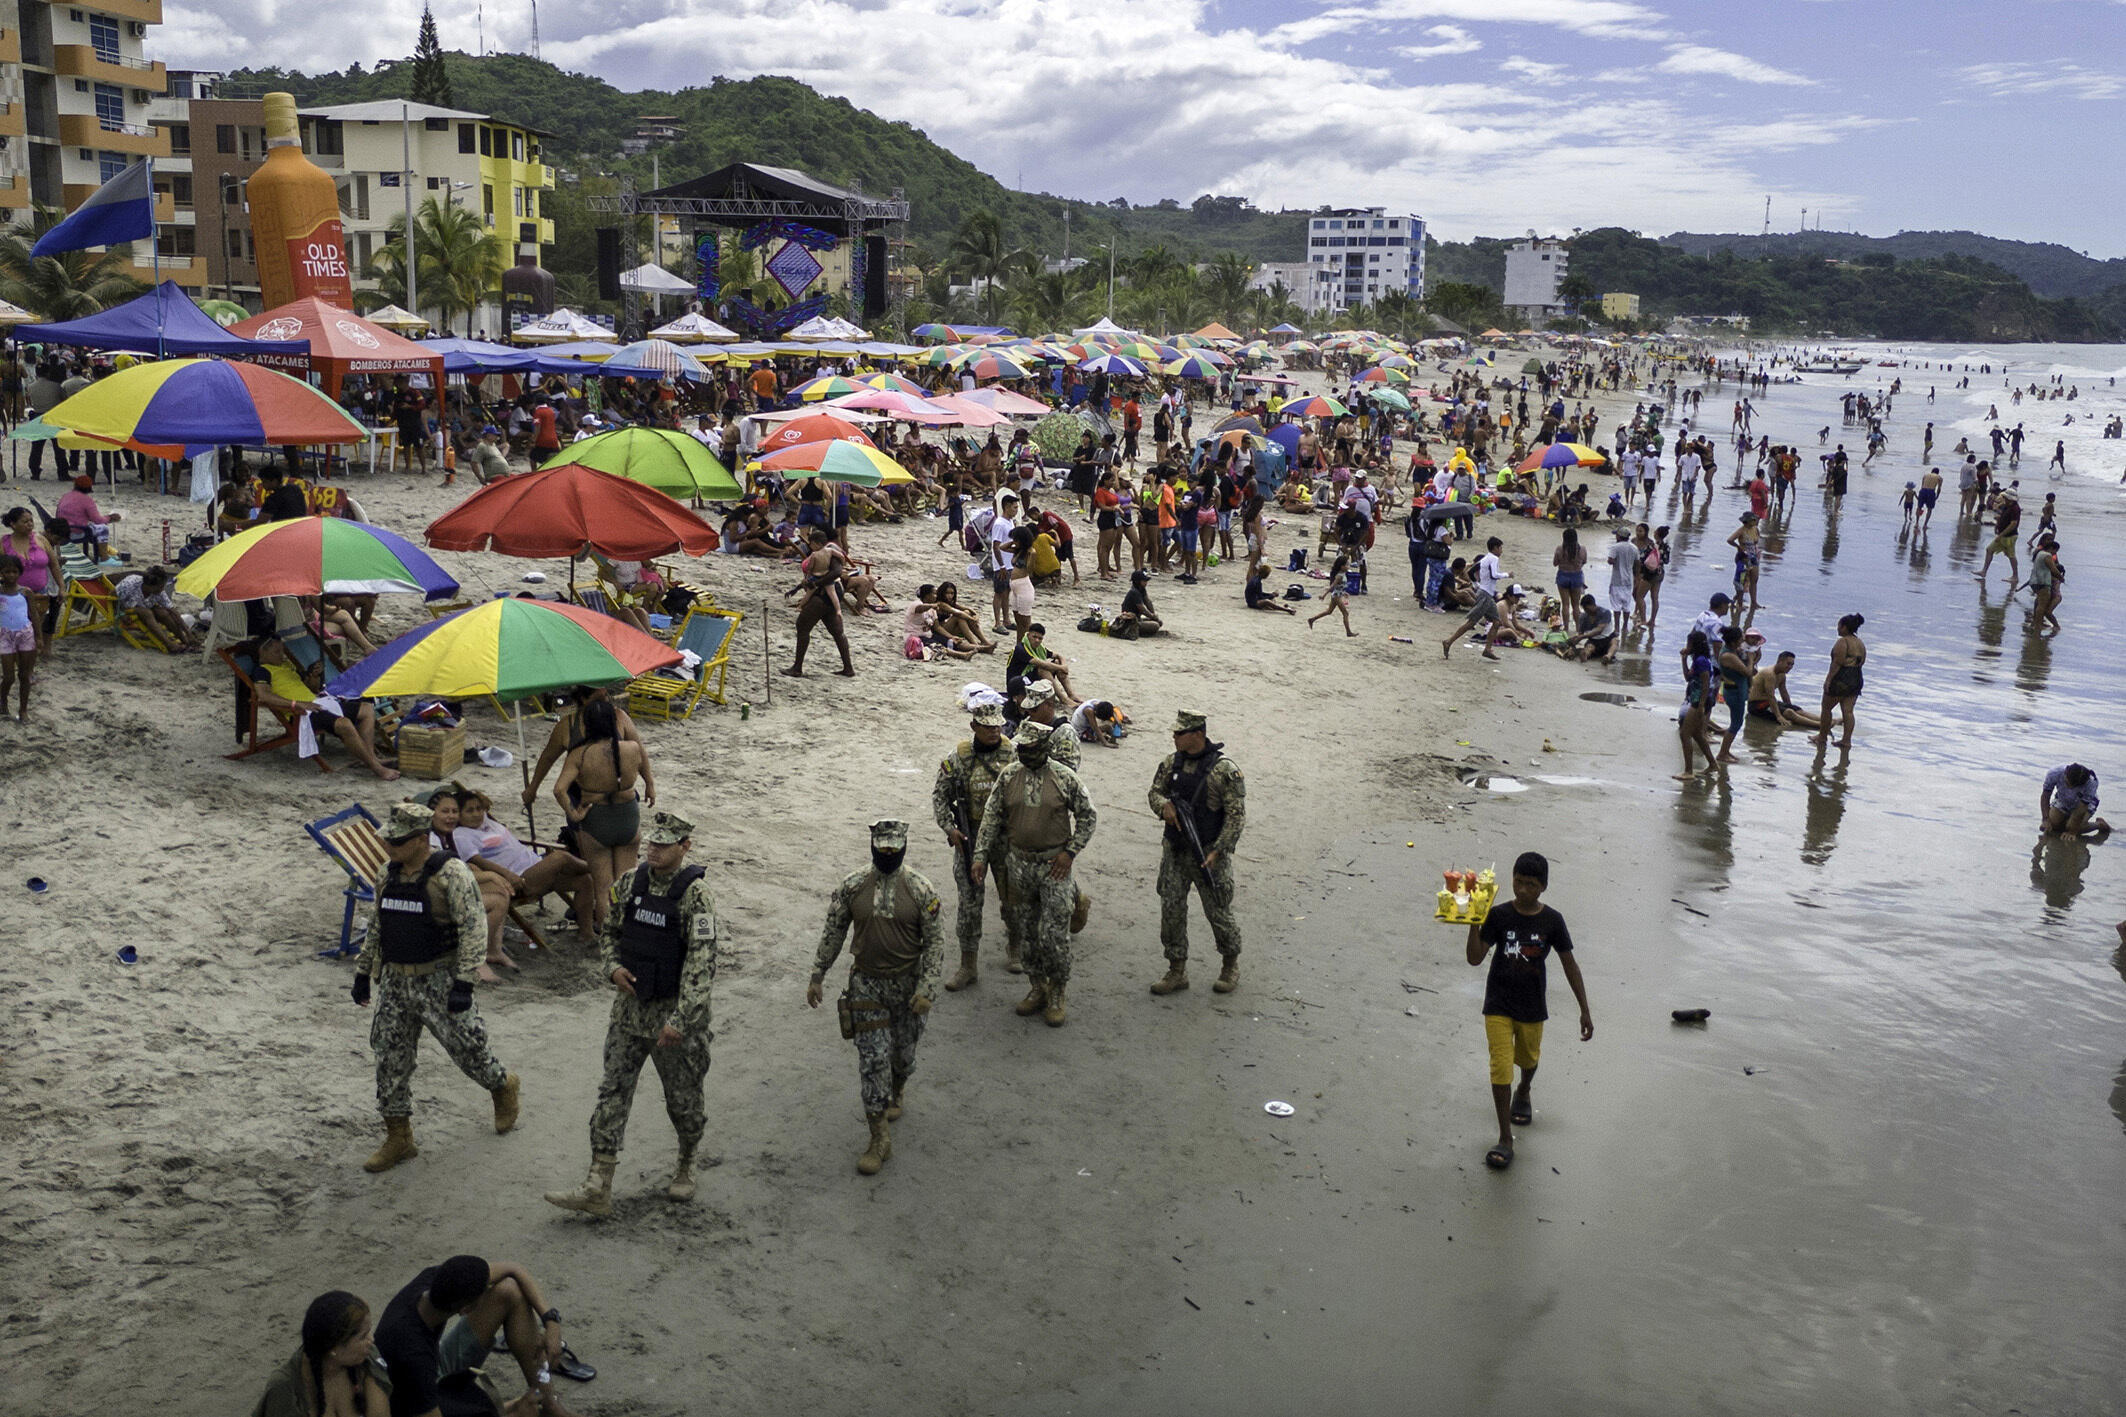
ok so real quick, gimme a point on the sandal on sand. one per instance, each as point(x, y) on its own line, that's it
point(1499, 1158)
point(568, 1365)
point(1522, 1114)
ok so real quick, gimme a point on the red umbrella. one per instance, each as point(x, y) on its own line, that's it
point(812, 428)
point(559, 510)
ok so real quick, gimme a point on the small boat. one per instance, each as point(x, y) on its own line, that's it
point(1828, 367)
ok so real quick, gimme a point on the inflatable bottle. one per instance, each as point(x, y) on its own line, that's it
point(295, 219)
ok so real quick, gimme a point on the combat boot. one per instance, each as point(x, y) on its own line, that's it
point(505, 1098)
point(1228, 977)
point(1081, 910)
point(1036, 999)
point(595, 1196)
point(398, 1145)
point(1176, 978)
point(1014, 957)
point(893, 1109)
point(1053, 1014)
point(965, 977)
point(681, 1186)
point(876, 1154)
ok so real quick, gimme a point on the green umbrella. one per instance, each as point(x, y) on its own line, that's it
point(1533, 366)
point(1393, 398)
point(674, 463)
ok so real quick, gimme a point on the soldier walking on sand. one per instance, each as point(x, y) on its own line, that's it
point(1198, 783)
point(658, 947)
point(957, 800)
point(1041, 817)
point(426, 940)
point(894, 962)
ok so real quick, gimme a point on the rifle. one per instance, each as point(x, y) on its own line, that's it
point(1195, 845)
point(965, 824)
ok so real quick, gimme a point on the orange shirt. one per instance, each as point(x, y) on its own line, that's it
point(764, 382)
point(1166, 506)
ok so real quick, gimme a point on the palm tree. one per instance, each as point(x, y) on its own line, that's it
point(459, 260)
point(978, 252)
point(1225, 281)
point(1152, 265)
point(69, 285)
point(1051, 301)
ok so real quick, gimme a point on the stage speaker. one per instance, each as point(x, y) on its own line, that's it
point(609, 263)
point(874, 277)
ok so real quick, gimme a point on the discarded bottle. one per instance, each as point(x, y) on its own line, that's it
point(745, 711)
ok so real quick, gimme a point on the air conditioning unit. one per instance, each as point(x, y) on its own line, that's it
point(141, 95)
point(136, 28)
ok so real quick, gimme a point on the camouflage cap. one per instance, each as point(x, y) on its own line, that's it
point(1035, 735)
point(889, 834)
point(989, 716)
point(1188, 722)
point(1039, 692)
point(667, 829)
point(407, 819)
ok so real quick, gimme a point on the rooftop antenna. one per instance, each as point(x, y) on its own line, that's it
point(1764, 240)
point(479, 19)
point(535, 28)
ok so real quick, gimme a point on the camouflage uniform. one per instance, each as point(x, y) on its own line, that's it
point(883, 980)
point(965, 777)
point(410, 998)
point(1037, 811)
point(1224, 791)
point(631, 1033)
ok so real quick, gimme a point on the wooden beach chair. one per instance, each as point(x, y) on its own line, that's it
point(352, 839)
point(248, 709)
point(659, 694)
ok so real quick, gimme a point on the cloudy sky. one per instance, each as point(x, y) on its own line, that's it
point(1485, 116)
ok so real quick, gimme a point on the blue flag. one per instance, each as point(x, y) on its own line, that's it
point(122, 209)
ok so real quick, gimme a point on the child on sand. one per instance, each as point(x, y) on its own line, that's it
point(1523, 934)
point(1339, 598)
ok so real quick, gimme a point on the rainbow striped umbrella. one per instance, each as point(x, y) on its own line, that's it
point(827, 386)
point(1192, 366)
point(1112, 364)
point(937, 332)
point(838, 460)
point(1315, 406)
point(1382, 374)
point(197, 403)
point(316, 556)
point(510, 649)
point(942, 355)
point(894, 383)
point(990, 364)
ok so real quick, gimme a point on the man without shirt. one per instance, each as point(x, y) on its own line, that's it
point(1768, 697)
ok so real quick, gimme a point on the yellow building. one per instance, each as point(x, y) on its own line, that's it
point(1619, 306)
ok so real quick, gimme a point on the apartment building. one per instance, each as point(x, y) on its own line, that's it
point(1367, 253)
point(75, 90)
point(1534, 270)
point(1312, 286)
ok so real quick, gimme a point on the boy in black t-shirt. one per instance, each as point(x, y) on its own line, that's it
point(1524, 935)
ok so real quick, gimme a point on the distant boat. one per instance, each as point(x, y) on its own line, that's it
point(1830, 367)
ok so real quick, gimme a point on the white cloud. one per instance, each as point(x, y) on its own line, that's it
point(1446, 39)
point(1592, 19)
point(1139, 98)
point(1698, 59)
point(2061, 78)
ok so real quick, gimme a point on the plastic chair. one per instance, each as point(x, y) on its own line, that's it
point(707, 633)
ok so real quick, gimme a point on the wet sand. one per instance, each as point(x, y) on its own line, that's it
point(1904, 1208)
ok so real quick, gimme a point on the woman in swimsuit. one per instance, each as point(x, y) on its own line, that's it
point(1571, 561)
point(1736, 666)
point(1845, 681)
point(605, 809)
point(1748, 541)
point(1697, 704)
point(956, 620)
point(38, 557)
point(821, 588)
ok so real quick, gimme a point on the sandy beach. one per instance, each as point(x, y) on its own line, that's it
point(1100, 1218)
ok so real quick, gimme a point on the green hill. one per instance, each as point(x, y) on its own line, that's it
point(2049, 269)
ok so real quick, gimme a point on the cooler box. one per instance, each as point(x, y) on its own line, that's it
point(431, 752)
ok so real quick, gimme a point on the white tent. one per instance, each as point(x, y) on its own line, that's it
point(563, 324)
point(654, 279)
point(693, 329)
point(1105, 326)
point(819, 327)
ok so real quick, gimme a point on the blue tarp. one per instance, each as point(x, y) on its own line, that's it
point(479, 357)
point(185, 329)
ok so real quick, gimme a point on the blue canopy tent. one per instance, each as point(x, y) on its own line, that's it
point(480, 358)
point(164, 323)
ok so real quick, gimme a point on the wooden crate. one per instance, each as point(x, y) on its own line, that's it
point(431, 752)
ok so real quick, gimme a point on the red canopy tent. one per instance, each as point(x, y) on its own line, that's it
point(341, 343)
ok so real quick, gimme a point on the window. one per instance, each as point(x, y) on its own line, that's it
point(1378, 225)
point(433, 184)
point(180, 140)
point(1397, 240)
point(517, 200)
point(75, 16)
point(103, 34)
point(236, 244)
point(1318, 241)
point(435, 125)
point(527, 231)
point(109, 165)
point(329, 139)
point(1395, 224)
point(1336, 226)
point(177, 241)
point(467, 143)
point(487, 202)
point(487, 142)
point(181, 189)
point(516, 146)
point(81, 86)
point(1336, 241)
point(1376, 240)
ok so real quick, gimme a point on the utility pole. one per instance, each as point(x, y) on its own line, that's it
point(535, 28)
point(413, 304)
point(1110, 282)
point(1066, 241)
point(1764, 241)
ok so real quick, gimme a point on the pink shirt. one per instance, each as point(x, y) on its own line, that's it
point(78, 508)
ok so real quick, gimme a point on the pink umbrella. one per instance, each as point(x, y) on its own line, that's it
point(963, 409)
point(1000, 401)
point(907, 407)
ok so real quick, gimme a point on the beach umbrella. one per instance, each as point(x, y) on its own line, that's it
point(1303, 346)
point(1287, 436)
point(1315, 406)
point(812, 428)
point(1394, 361)
point(1002, 401)
point(1112, 364)
point(1213, 357)
point(943, 355)
point(1533, 366)
point(838, 461)
point(13, 314)
point(967, 412)
point(937, 332)
point(1192, 366)
point(990, 364)
point(656, 356)
point(1554, 455)
point(691, 328)
point(508, 649)
point(393, 317)
point(315, 556)
point(909, 408)
point(893, 383)
point(562, 508)
point(827, 386)
point(1244, 421)
point(1380, 374)
point(204, 403)
point(1392, 398)
point(672, 462)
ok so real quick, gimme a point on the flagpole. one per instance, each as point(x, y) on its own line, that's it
point(155, 258)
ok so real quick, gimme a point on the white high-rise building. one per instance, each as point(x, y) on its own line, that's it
point(1533, 270)
point(1305, 283)
point(1367, 253)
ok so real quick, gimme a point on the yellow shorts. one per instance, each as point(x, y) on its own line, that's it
point(1513, 1044)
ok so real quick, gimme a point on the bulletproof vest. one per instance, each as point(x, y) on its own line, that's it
point(983, 770)
point(891, 941)
point(1188, 787)
point(1039, 817)
point(409, 928)
point(653, 940)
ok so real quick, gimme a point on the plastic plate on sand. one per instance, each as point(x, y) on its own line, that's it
point(1278, 1109)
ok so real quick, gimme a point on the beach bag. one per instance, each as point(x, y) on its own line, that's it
point(1093, 625)
point(913, 647)
point(1297, 561)
point(677, 602)
point(1129, 631)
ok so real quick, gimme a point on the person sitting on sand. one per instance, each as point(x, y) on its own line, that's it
point(1769, 699)
point(2067, 803)
point(1034, 660)
point(444, 1321)
point(1257, 598)
point(144, 607)
point(281, 686)
point(486, 845)
point(1138, 613)
point(329, 1374)
point(958, 621)
point(1596, 637)
point(1098, 721)
point(494, 891)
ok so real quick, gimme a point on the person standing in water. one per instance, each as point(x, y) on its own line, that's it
point(1842, 686)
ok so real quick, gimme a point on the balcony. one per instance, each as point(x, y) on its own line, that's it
point(75, 193)
point(188, 271)
point(14, 121)
point(84, 61)
point(10, 46)
point(14, 192)
point(86, 130)
point(148, 12)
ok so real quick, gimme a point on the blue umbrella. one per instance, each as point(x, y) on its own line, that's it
point(1113, 364)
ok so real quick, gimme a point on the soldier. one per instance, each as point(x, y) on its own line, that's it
point(1040, 815)
point(1039, 701)
point(894, 963)
point(956, 801)
point(658, 946)
point(427, 938)
point(1206, 785)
